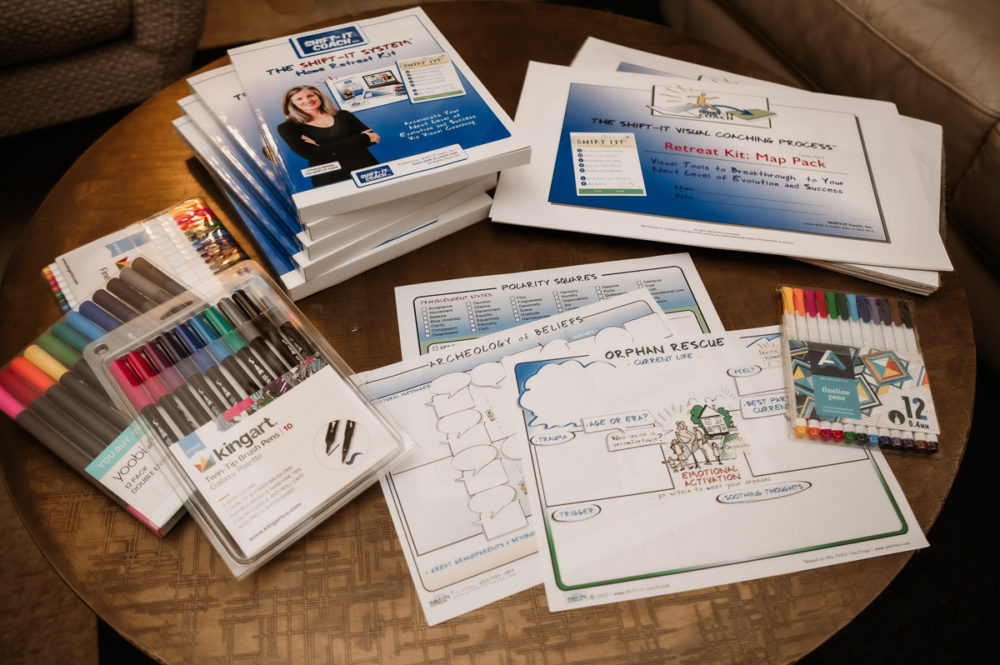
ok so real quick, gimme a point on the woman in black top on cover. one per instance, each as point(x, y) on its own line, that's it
point(319, 132)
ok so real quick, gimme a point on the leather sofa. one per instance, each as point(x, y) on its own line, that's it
point(938, 60)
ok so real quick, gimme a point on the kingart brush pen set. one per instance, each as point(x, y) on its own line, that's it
point(252, 413)
point(854, 371)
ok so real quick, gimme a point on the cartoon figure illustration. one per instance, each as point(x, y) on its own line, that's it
point(679, 460)
point(717, 428)
point(703, 101)
point(694, 440)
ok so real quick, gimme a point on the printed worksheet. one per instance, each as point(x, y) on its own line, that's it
point(660, 466)
point(459, 502)
point(434, 315)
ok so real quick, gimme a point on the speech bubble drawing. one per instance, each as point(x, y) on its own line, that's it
point(764, 492)
point(593, 387)
point(553, 438)
point(510, 449)
point(488, 502)
point(619, 440)
point(487, 374)
point(459, 423)
point(449, 384)
point(611, 338)
point(475, 458)
point(741, 372)
point(577, 513)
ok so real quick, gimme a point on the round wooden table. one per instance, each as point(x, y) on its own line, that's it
point(343, 593)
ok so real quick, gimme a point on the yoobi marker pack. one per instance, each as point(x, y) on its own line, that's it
point(854, 371)
point(269, 436)
point(50, 391)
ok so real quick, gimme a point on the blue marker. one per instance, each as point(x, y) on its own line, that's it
point(84, 326)
point(222, 354)
point(99, 316)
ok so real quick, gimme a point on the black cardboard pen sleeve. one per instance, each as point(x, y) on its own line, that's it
point(263, 466)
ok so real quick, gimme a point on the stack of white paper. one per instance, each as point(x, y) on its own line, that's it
point(349, 145)
point(633, 144)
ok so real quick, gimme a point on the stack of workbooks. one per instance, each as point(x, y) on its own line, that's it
point(344, 147)
point(634, 144)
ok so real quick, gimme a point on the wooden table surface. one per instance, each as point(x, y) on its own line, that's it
point(343, 593)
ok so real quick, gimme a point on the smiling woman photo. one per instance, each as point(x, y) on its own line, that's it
point(317, 131)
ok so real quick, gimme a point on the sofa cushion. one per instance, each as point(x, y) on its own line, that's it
point(36, 29)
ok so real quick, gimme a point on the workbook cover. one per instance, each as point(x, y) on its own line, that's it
point(762, 169)
point(221, 91)
point(373, 110)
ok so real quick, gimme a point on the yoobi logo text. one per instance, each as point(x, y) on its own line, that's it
point(329, 40)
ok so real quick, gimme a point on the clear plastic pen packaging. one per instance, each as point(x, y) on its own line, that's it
point(254, 415)
point(854, 371)
point(50, 391)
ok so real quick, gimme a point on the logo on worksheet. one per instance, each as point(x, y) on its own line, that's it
point(680, 101)
point(315, 43)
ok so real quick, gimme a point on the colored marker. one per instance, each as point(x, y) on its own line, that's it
point(853, 433)
point(823, 430)
point(301, 346)
point(149, 363)
point(157, 276)
point(863, 435)
point(237, 345)
point(161, 395)
point(43, 431)
point(50, 413)
point(192, 358)
point(824, 300)
point(929, 443)
point(141, 400)
point(881, 305)
point(28, 374)
point(791, 332)
point(214, 345)
point(148, 289)
point(98, 316)
point(249, 333)
point(114, 306)
point(128, 295)
point(164, 357)
point(84, 326)
point(251, 313)
point(70, 358)
point(802, 324)
point(69, 336)
point(97, 401)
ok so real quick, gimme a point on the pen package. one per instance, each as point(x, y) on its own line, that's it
point(854, 372)
point(254, 415)
point(187, 239)
point(50, 391)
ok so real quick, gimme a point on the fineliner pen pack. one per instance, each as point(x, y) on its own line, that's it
point(854, 371)
point(51, 392)
point(253, 413)
point(188, 239)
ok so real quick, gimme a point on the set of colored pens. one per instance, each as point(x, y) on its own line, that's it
point(51, 391)
point(187, 239)
point(855, 370)
point(207, 374)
